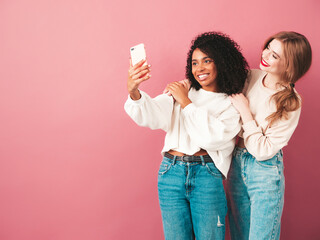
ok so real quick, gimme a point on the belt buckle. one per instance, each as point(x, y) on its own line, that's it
point(182, 158)
point(186, 158)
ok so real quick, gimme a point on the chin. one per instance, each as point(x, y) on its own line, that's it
point(262, 67)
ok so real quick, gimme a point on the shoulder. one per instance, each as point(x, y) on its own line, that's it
point(255, 74)
point(254, 77)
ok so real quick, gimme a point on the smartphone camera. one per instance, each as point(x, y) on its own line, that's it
point(132, 49)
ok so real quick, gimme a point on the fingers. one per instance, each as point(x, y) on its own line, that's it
point(172, 87)
point(138, 65)
point(236, 95)
point(183, 83)
point(165, 90)
point(134, 70)
point(186, 83)
point(238, 99)
point(175, 84)
point(140, 72)
point(137, 74)
point(140, 80)
point(233, 97)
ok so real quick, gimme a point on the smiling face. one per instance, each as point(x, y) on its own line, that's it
point(272, 59)
point(204, 70)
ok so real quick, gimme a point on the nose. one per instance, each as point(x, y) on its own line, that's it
point(200, 67)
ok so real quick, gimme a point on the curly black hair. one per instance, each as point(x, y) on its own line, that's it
point(232, 67)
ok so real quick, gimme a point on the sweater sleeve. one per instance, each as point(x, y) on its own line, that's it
point(154, 113)
point(209, 132)
point(264, 145)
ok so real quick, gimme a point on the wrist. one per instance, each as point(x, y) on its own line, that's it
point(135, 94)
point(185, 103)
point(246, 116)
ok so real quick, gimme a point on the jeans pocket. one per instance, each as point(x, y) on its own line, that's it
point(269, 163)
point(211, 167)
point(164, 166)
point(269, 169)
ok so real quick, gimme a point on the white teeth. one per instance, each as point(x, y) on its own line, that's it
point(202, 76)
point(265, 63)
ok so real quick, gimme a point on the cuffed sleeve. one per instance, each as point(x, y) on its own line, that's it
point(264, 144)
point(154, 113)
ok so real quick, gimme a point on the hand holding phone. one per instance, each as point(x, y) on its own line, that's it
point(139, 70)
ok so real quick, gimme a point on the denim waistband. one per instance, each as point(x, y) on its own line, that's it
point(240, 150)
point(188, 158)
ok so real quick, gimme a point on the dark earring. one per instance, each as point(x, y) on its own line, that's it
point(292, 85)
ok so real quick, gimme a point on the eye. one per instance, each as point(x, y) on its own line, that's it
point(274, 56)
point(194, 63)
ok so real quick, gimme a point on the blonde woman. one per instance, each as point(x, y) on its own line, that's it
point(269, 109)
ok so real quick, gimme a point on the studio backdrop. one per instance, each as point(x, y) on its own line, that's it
point(73, 165)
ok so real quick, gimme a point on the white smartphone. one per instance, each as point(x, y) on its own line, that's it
point(138, 53)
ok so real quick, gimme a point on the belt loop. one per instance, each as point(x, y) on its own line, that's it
point(202, 160)
point(174, 160)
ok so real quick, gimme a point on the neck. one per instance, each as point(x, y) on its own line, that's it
point(210, 88)
point(272, 81)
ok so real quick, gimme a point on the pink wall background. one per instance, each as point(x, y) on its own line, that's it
point(73, 166)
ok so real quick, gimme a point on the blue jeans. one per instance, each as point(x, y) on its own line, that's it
point(192, 200)
point(255, 191)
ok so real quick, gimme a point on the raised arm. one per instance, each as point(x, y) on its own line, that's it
point(136, 75)
point(154, 113)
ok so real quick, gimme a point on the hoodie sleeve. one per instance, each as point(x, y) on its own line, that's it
point(154, 113)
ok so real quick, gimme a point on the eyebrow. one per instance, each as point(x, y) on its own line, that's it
point(202, 59)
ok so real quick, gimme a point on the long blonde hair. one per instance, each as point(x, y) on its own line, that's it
point(297, 56)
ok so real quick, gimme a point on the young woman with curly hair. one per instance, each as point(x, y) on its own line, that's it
point(201, 125)
point(270, 109)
